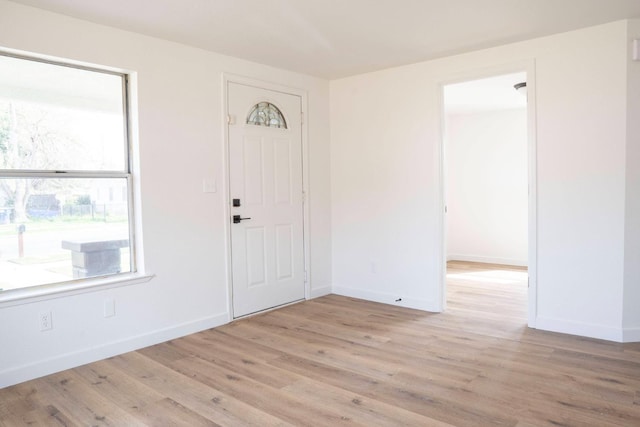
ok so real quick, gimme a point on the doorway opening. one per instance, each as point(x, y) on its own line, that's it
point(488, 203)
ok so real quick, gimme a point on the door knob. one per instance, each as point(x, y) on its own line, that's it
point(237, 219)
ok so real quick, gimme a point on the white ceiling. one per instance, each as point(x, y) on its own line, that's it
point(338, 38)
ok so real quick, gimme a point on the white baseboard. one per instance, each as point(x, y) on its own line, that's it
point(320, 292)
point(488, 260)
point(419, 304)
point(581, 329)
point(631, 335)
point(71, 360)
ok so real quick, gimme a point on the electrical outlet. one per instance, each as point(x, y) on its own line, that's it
point(109, 307)
point(45, 321)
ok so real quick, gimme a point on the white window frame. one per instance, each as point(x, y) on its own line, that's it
point(81, 285)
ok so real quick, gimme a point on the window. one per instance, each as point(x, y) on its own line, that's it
point(64, 153)
point(266, 114)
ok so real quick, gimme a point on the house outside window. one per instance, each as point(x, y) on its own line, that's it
point(64, 154)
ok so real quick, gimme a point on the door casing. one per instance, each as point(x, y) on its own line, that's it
point(232, 78)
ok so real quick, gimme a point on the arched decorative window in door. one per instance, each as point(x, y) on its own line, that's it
point(266, 114)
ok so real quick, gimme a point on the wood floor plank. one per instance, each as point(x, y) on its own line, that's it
point(342, 361)
point(322, 349)
point(74, 399)
point(242, 364)
point(41, 416)
point(372, 412)
point(207, 401)
point(285, 406)
point(168, 412)
point(421, 398)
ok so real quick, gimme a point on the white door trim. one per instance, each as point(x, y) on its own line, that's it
point(529, 67)
point(248, 81)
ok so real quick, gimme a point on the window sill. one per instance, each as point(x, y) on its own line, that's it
point(59, 290)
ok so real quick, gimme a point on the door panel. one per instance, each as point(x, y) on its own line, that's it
point(282, 172)
point(284, 252)
point(256, 257)
point(253, 170)
point(265, 173)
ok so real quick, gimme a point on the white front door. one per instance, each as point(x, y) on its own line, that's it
point(265, 169)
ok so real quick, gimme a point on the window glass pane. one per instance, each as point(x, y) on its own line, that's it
point(55, 230)
point(266, 114)
point(54, 117)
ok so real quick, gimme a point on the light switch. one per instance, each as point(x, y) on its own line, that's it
point(209, 186)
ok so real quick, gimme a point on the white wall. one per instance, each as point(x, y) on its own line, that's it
point(486, 178)
point(180, 143)
point(632, 215)
point(386, 179)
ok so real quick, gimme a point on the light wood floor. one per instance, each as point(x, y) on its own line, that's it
point(340, 361)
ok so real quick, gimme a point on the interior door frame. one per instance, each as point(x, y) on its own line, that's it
point(527, 66)
point(260, 84)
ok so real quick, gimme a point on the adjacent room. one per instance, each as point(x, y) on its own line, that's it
point(219, 212)
point(486, 193)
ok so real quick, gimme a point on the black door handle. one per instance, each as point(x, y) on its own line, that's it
point(237, 219)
